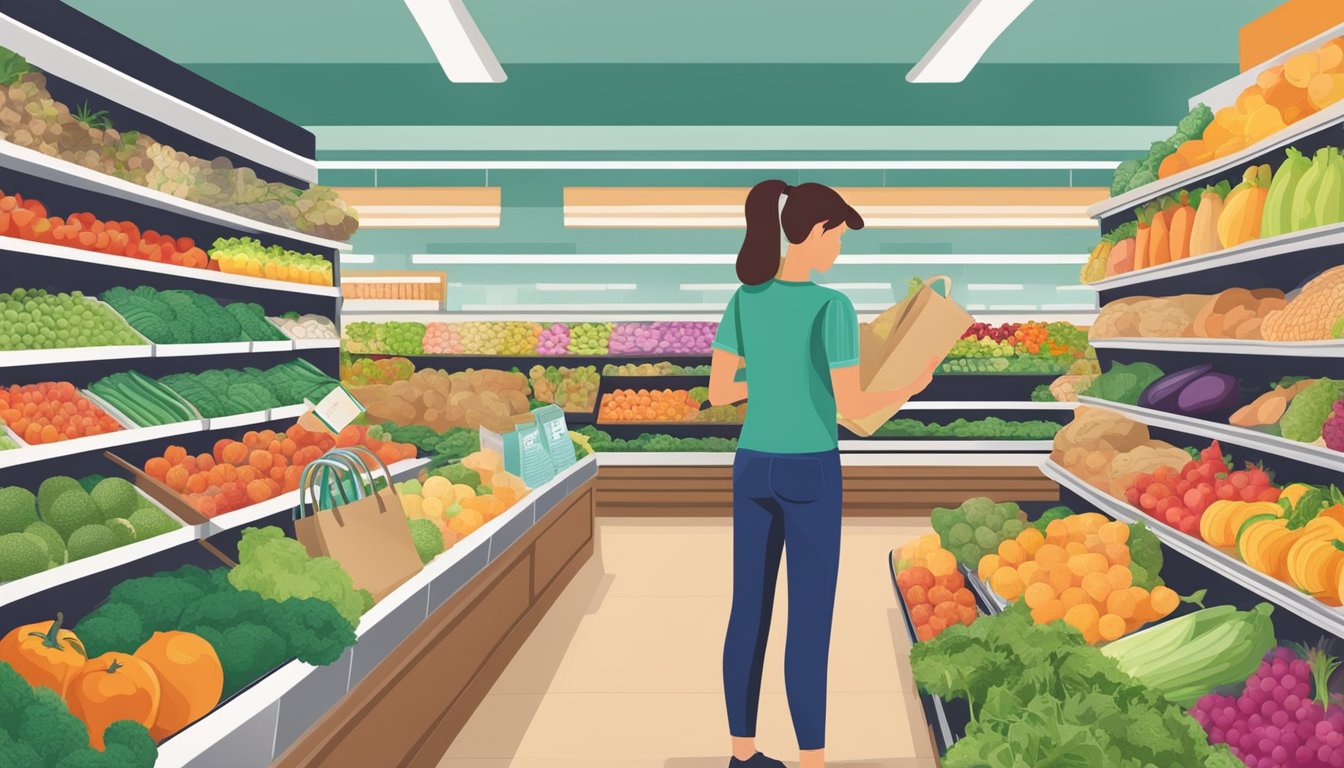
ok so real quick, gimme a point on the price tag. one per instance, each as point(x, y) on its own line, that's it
point(335, 412)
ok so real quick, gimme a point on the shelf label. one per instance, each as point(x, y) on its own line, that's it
point(333, 413)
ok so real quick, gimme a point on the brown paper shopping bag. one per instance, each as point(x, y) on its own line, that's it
point(363, 528)
point(900, 341)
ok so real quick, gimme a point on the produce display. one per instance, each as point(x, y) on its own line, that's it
point(245, 256)
point(1124, 383)
point(52, 411)
point(1179, 496)
point(31, 118)
point(573, 389)
point(1040, 695)
point(991, 428)
point(648, 405)
point(934, 590)
point(297, 326)
point(1107, 450)
point(1098, 576)
point(394, 338)
point(442, 400)
point(1019, 348)
point(279, 568)
point(1195, 391)
point(654, 369)
point(28, 219)
point(263, 465)
point(664, 337)
point(554, 340)
point(365, 371)
point(35, 319)
point(603, 442)
point(187, 317)
point(227, 392)
point(441, 447)
point(142, 400)
point(1233, 314)
point(1282, 95)
point(364, 285)
point(67, 521)
point(589, 338)
point(976, 528)
point(459, 498)
point(1285, 713)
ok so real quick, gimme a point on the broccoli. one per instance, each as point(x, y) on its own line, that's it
point(960, 534)
point(277, 567)
point(71, 511)
point(459, 474)
point(977, 510)
point(135, 740)
point(1142, 177)
point(246, 651)
point(22, 554)
point(1193, 124)
point(428, 539)
point(14, 754)
point(90, 540)
point(1123, 173)
point(15, 696)
point(1145, 552)
point(1308, 411)
point(943, 519)
point(1012, 527)
point(47, 726)
point(1157, 152)
point(314, 632)
point(158, 600)
point(18, 509)
point(112, 627)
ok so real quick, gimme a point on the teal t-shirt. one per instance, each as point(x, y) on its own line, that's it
point(791, 336)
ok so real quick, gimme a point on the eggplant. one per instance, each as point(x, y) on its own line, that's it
point(1161, 395)
point(1207, 394)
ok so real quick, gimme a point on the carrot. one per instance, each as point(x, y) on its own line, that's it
point(1142, 235)
point(1182, 226)
point(1159, 234)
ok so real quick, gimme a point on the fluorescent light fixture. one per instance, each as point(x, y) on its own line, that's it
point(960, 48)
point(456, 40)
point(424, 207)
point(994, 286)
point(357, 258)
point(567, 287)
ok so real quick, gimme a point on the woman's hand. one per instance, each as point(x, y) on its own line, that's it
point(723, 388)
point(855, 403)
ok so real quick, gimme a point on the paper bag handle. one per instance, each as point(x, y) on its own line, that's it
point(947, 284)
point(355, 452)
point(357, 467)
point(306, 482)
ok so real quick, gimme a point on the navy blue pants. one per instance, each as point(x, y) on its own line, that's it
point(779, 501)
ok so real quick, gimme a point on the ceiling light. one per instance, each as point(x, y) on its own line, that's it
point(960, 48)
point(456, 40)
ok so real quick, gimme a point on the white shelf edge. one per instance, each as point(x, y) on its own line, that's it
point(530, 313)
point(32, 248)
point(250, 514)
point(272, 346)
point(887, 445)
point(70, 64)
point(237, 420)
point(334, 343)
point(1246, 438)
point(211, 348)
point(1255, 250)
point(375, 306)
point(985, 405)
point(18, 357)
point(1325, 348)
point(27, 454)
point(741, 165)
point(61, 171)
point(1282, 594)
point(570, 259)
point(1326, 118)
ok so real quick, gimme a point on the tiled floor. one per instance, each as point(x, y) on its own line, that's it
point(624, 671)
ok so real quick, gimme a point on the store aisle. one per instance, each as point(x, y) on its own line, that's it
point(624, 671)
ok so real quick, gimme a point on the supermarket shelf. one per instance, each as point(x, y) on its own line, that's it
point(879, 444)
point(19, 589)
point(288, 345)
point(377, 306)
point(317, 343)
point(35, 163)
point(76, 66)
point(214, 348)
point(1248, 438)
point(530, 313)
point(28, 454)
point(935, 712)
point(706, 459)
point(567, 259)
point(1225, 93)
point(287, 501)
point(1284, 595)
point(22, 357)
point(1284, 245)
point(219, 737)
point(13, 245)
point(986, 597)
point(986, 405)
point(1330, 348)
point(288, 411)
point(1327, 118)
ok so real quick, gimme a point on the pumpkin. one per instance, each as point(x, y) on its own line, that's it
point(1315, 562)
point(1223, 519)
point(44, 654)
point(113, 687)
point(1263, 544)
point(191, 679)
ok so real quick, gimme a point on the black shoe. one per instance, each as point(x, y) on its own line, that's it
point(755, 761)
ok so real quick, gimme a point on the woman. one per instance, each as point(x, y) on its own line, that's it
point(800, 343)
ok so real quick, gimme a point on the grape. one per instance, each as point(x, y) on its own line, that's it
point(554, 340)
point(589, 338)
point(36, 319)
point(1333, 429)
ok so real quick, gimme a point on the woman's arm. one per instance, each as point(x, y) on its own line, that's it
point(723, 390)
point(854, 403)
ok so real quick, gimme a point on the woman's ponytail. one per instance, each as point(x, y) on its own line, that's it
point(758, 259)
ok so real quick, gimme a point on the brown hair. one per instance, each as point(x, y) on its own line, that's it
point(807, 205)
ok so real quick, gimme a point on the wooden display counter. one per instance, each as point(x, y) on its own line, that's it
point(876, 485)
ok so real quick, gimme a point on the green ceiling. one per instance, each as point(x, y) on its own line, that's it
point(1093, 64)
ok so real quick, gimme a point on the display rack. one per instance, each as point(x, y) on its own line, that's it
point(1333, 349)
